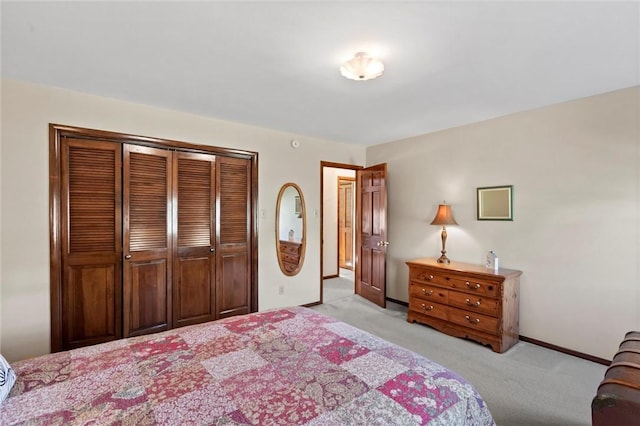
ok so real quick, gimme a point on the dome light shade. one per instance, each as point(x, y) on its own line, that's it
point(362, 67)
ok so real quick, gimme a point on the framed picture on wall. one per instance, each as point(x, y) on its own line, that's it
point(495, 202)
point(298, 205)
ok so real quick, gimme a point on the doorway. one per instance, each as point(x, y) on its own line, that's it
point(337, 228)
point(369, 229)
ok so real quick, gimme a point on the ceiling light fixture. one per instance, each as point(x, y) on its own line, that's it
point(362, 67)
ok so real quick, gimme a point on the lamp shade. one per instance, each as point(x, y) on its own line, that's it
point(362, 67)
point(444, 216)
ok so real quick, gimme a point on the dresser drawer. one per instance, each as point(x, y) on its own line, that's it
point(290, 248)
point(289, 267)
point(429, 276)
point(430, 293)
point(473, 302)
point(293, 258)
point(475, 286)
point(429, 308)
point(451, 280)
point(474, 320)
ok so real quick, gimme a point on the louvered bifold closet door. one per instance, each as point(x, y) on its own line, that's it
point(194, 248)
point(90, 230)
point(233, 239)
point(147, 240)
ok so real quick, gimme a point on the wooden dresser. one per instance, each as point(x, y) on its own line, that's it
point(290, 254)
point(466, 300)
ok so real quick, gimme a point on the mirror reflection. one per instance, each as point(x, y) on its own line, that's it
point(290, 228)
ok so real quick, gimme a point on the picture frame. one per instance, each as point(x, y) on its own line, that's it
point(298, 205)
point(495, 202)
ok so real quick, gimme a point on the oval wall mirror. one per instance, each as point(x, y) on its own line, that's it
point(290, 229)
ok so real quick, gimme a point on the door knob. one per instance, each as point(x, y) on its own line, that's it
point(212, 249)
point(382, 243)
point(127, 256)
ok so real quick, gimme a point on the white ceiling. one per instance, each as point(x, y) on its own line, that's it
point(275, 64)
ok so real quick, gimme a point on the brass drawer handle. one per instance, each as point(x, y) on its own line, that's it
point(427, 308)
point(470, 303)
point(474, 286)
point(472, 321)
point(424, 291)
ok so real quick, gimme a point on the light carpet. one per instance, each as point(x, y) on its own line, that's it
point(526, 386)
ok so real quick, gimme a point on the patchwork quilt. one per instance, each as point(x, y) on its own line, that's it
point(279, 367)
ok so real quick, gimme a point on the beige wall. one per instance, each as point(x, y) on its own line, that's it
point(24, 264)
point(575, 168)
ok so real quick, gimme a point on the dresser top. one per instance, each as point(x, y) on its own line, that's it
point(464, 267)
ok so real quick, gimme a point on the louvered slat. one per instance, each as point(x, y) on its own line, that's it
point(194, 201)
point(147, 202)
point(91, 201)
point(233, 203)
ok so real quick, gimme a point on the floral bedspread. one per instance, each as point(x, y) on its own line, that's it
point(285, 366)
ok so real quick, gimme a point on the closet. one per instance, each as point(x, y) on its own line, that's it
point(147, 235)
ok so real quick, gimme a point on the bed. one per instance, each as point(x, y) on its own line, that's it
point(282, 366)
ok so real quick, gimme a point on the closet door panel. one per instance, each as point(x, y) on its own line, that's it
point(147, 244)
point(233, 292)
point(90, 304)
point(233, 245)
point(194, 222)
point(146, 296)
point(90, 237)
point(193, 294)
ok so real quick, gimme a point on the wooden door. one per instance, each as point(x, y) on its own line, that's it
point(233, 236)
point(346, 210)
point(90, 290)
point(147, 240)
point(371, 208)
point(194, 247)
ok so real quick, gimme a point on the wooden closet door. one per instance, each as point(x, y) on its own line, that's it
point(90, 229)
point(233, 236)
point(194, 247)
point(147, 243)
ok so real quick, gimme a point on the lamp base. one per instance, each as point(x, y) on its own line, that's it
point(443, 259)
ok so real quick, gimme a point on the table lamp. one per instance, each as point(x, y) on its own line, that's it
point(444, 217)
